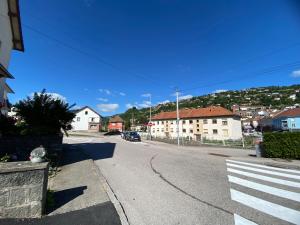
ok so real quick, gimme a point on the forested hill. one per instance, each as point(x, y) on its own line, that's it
point(272, 96)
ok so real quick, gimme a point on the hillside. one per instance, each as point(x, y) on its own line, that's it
point(273, 96)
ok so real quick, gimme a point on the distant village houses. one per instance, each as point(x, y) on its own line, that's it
point(86, 119)
point(10, 39)
point(287, 120)
point(214, 122)
point(116, 123)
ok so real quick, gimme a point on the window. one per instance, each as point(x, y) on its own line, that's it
point(191, 131)
point(191, 121)
point(214, 121)
point(198, 130)
point(197, 125)
point(171, 121)
point(225, 132)
point(215, 131)
point(92, 119)
point(86, 112)
point(205, 131)
point(224, 122)
point(78, 119)
point(157, 122)
point(183, 122)
point(157, 130)
point(205, 121)
point(197, 121)
point(162, 129)
point(184, 130)
point(162, 122)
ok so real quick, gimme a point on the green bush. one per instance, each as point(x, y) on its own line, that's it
point(281, 145)
point(42, 114)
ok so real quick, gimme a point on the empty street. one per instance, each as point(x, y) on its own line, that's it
point(158, 183)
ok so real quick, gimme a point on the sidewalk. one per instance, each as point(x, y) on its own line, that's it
point(245, 156)
point(79, 196)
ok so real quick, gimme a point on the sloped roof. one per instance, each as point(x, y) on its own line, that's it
point(289, 113)
point(212, 111)
point(4, 72)
point(116, 119)
point(83, 108)
point(15, 22)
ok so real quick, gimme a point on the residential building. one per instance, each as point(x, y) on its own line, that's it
point(10, 39)
point(86, 119)
point(287, 120)
point(116, 123)
point(213, 122)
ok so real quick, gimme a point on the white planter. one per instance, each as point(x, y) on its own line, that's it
point(36, 160)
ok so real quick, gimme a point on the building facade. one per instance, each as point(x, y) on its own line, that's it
point(10, 39)
point(86, 119)
point(215, 123)
point(287, 120)
point(116, 123)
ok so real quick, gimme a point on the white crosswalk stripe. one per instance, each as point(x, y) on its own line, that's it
point(264, 192)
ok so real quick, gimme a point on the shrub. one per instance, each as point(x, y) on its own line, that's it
point(281, 145)
point(43, 114)
point(7, 125)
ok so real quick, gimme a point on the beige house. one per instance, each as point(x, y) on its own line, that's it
point(215, 123)
point(10, 39)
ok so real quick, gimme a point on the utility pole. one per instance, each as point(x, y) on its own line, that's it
point(150, 116)
point(177, 113)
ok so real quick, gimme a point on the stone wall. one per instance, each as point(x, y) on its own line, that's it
point(23, 189)
point(23, 145)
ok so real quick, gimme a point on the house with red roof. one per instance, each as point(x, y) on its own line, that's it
point(116, 123)
point(287, 120)
point(214, 122)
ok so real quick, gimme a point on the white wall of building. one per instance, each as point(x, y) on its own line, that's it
point(224, 128)
point(83, 118)
point(6, 43)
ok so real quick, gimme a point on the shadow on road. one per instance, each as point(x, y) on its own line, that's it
point(64, 196)
point(83, 151)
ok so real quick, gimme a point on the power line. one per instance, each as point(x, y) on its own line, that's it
point(244, 77)
point(82, 52)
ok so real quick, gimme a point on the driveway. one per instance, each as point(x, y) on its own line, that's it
point(158, 183)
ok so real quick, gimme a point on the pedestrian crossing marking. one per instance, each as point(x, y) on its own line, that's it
point(265, 178)
point(238, 220)
point(263, 166)
point(265, 188)
point(264, 171)
point(278, 211)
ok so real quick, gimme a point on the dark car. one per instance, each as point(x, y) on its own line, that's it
point(113, 132)
point(133, 136)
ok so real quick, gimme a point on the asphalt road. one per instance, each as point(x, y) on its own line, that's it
point(158, 183)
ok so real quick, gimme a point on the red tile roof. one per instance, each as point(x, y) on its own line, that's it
point(212, 111)
point(289, 113)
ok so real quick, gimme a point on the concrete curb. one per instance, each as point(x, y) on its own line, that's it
point(112, 196)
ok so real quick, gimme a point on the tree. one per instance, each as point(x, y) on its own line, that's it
point(43, 114)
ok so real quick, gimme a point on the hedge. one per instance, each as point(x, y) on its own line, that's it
point(281, 145)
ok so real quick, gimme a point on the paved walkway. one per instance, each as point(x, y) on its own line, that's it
point(80, 197)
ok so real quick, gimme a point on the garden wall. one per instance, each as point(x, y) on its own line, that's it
point(23, 189)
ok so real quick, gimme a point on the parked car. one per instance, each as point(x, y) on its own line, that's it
point(113, 132)
point(133, 136)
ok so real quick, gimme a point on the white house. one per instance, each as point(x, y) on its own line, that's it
point(216, 123)
point(10, 38)
point(86, 119)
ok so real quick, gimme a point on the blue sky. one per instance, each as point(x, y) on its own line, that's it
point(111, 54)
